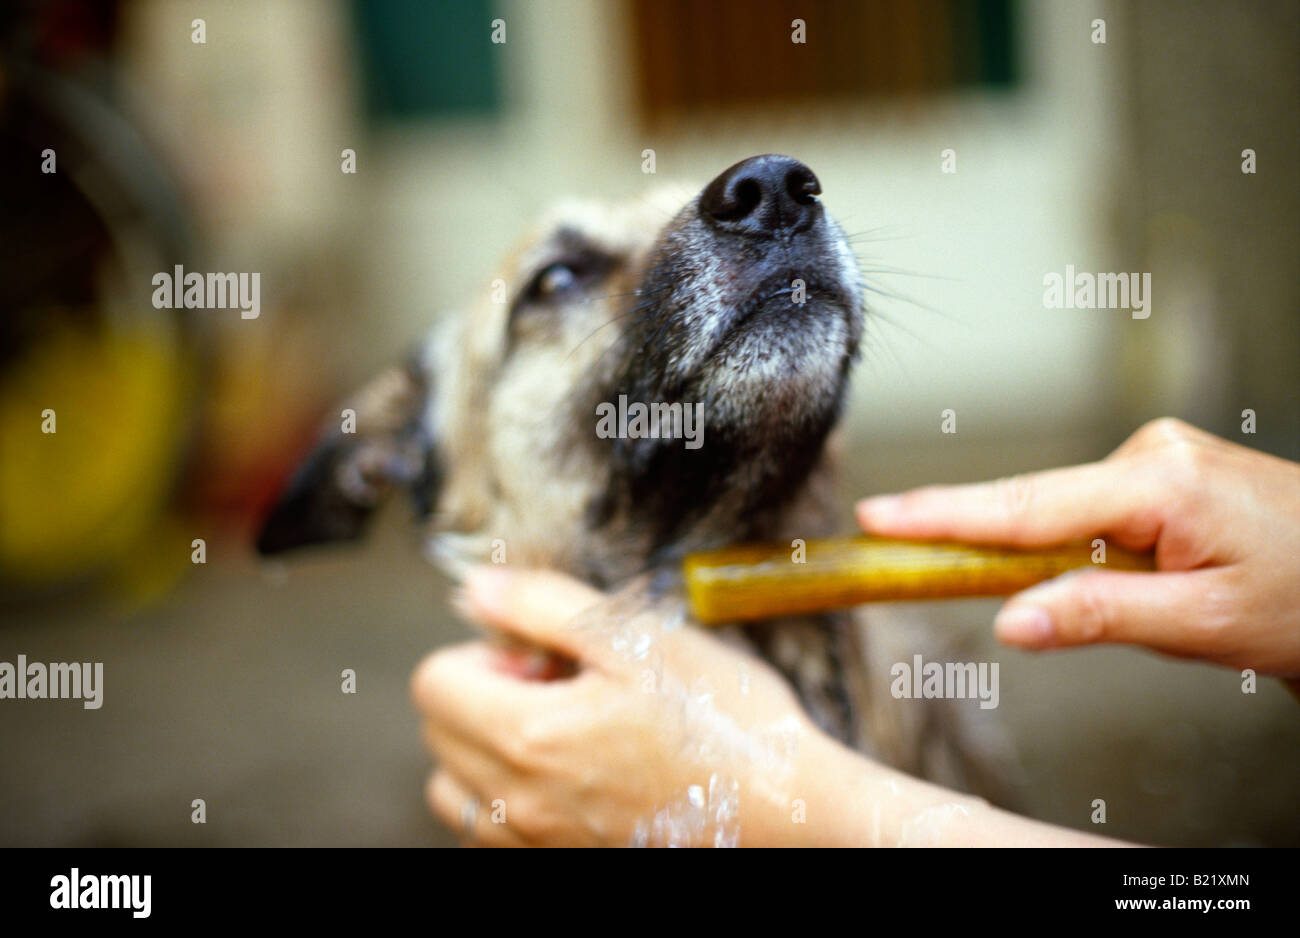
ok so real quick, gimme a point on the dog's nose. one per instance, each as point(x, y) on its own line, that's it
point(762, 196)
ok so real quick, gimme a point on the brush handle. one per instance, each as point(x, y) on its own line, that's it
point(764, 581)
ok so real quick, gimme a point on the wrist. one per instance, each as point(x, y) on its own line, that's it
point(853, 801)
point(816, 801)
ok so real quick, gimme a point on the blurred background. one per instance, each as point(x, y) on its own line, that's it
point(222, 680)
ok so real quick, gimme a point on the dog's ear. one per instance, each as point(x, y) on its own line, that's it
point(379, 441)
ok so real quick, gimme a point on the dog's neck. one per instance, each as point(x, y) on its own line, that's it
point(627, 535)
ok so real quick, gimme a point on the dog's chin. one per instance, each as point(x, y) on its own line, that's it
point(769, 388)
point(780, 371)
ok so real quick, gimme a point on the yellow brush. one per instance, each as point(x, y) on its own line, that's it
point(762, 581)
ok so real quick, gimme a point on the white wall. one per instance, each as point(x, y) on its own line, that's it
point(1030, 196)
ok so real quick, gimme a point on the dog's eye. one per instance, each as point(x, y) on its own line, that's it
point(552, 281)
point(567, 276)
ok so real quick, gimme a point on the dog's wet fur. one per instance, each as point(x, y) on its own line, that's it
point(671, 297)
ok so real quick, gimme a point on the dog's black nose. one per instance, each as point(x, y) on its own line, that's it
point(762, 196)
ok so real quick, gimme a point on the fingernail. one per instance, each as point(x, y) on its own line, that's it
point(879, 508)
point(1024, 625)
point(483, 587)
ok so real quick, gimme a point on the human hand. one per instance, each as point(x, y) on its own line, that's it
point(1223, 520)
point(663, 735)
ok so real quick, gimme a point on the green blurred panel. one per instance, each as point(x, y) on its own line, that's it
point(985, 43)
point(997, 39)
point(428, 58)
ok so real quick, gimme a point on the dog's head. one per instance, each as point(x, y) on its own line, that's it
point(541, 423)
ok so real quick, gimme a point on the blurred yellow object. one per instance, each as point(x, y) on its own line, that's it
point(763, 581)
point(78, 499)
point(155, 562)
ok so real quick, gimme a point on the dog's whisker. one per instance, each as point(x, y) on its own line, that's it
point(873, 236)
point(641, 307)
point(604, 325)
point(886, 320)
point(608, 296)
point(909, 300)
point(901, 272)
point(879, 352)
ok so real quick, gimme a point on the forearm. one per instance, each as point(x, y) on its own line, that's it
point(840, 799)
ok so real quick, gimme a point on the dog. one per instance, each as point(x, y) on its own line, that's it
point(743, 300)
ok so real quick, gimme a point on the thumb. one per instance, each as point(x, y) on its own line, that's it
point(539, 606)
point(1164, 611)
